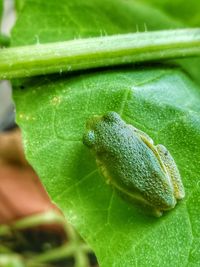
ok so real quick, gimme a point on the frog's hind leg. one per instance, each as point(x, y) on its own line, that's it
point(172, 170)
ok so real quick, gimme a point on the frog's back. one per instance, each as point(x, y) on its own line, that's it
point(130, 163)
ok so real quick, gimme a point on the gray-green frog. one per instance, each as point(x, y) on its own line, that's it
point(139, 170)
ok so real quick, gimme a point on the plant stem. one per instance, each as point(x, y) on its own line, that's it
point(98, 52)
point(4, 40)
point(55, 254)
point(39, 219)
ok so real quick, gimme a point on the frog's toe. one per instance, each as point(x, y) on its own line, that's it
point(170, 203)
point(157, 213)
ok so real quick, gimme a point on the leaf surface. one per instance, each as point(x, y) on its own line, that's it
point(161, 101)
point(187, 12)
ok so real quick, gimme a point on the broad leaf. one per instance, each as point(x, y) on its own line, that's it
point(76, 19)
point(52, 112)
point(163, 103)
point(19, 4)
point(185, 11)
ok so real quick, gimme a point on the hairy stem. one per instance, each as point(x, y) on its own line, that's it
point(98, 52)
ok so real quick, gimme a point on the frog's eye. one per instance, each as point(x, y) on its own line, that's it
point(112, 117)
point(89, 139)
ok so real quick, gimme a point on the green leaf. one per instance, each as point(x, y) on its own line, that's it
point(164, 104)
point(161, 101)
point(10, 261)
point(19, 4)
point(85, 19)
point(185, 11)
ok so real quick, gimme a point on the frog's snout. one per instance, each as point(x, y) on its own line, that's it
point(89, 138)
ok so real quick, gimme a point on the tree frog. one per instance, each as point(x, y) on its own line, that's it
point(128, 159)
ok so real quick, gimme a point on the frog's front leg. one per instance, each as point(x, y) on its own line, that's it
point(145, 137)
point(172, 170)
point(148, 141)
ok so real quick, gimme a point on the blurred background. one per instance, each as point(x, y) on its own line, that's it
point(7, 115)
point(33, 231)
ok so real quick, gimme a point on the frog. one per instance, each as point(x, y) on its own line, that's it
point(140, 171)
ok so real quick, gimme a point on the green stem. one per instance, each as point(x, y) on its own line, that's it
point(4, 40)
point(48, 217)
point(82, 259)
point(98, 52)
point(55, 254)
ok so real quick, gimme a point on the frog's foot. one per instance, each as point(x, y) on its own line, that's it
point(172, 171)
point(151, 211)
point(157, 212)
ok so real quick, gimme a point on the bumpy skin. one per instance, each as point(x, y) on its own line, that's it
point(131, 163)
